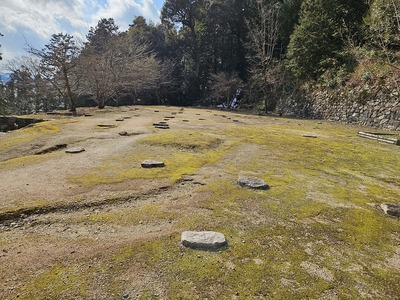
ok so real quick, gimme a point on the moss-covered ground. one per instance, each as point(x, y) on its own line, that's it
point(317, 233)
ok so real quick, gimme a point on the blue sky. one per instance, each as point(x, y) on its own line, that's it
point(34, 21)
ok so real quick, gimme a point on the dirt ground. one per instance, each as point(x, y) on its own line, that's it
point(64, 228)
point(38, 198)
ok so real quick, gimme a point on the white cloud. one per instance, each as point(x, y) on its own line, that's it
point(124, 11)
point(37, 20)
point(39, 16)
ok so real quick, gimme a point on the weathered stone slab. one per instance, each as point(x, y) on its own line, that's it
point(75, 150)
point(391, 209)
point(51, 149)
point(204, 240)
point(106, 125)
point(252, 183)
point(152, 164)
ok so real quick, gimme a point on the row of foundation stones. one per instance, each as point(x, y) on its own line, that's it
point(210, 240)
point(214, 241)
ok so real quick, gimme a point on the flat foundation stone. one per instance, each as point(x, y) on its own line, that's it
point(203, 240)
point(252, 183)
point(152, 164)
point(75, 150)
point(391, 209)
point(106, 125)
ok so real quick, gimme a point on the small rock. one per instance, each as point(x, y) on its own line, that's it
point(106, 125)
point(75, 150)
point(185, 120)
point(152, 164)
point(205, 240)
point(391, 209)
point(252, 183)
point(120, 119)
point(123, 133)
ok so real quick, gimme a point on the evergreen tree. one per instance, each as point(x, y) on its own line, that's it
point(383, 24)
point(318, 42)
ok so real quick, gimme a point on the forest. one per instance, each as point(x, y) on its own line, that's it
point(202, 52)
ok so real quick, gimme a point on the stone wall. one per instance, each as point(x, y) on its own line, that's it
point(363, 105)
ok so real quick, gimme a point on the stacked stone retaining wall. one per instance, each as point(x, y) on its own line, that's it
point(363, 105)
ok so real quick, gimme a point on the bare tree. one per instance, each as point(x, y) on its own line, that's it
point(224, 85)
point(166, 81)
point(263, 39)
point(3, 101)
point(28, 87)
point(122, 67)
point(0, 46)
point(58, 66)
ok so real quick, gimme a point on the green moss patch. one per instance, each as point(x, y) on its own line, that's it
point(28, 134)
point(24, 161)
point(128, 166)
point(184, 139)
point(317, 233)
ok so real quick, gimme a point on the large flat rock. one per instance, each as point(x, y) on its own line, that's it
point(204, 240)
point(152, 164)
point(391, 209)
point(252, 183)
point(75, 150)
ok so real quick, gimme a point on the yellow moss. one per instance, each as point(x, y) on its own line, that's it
point(184, 139)
point(55, 283)
point(363, 227)
point(24, 161)
point(149, 213)
point(317, 212)
point(178, 163)
point(28, 134)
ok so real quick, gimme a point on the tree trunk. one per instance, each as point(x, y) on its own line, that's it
point(71, 99)
point(101, 105)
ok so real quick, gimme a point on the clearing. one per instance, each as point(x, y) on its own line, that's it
point(96, 225)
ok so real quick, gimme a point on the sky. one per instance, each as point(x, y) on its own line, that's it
point(33, 22)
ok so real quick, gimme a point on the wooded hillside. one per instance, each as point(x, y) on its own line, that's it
point(272, 50)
